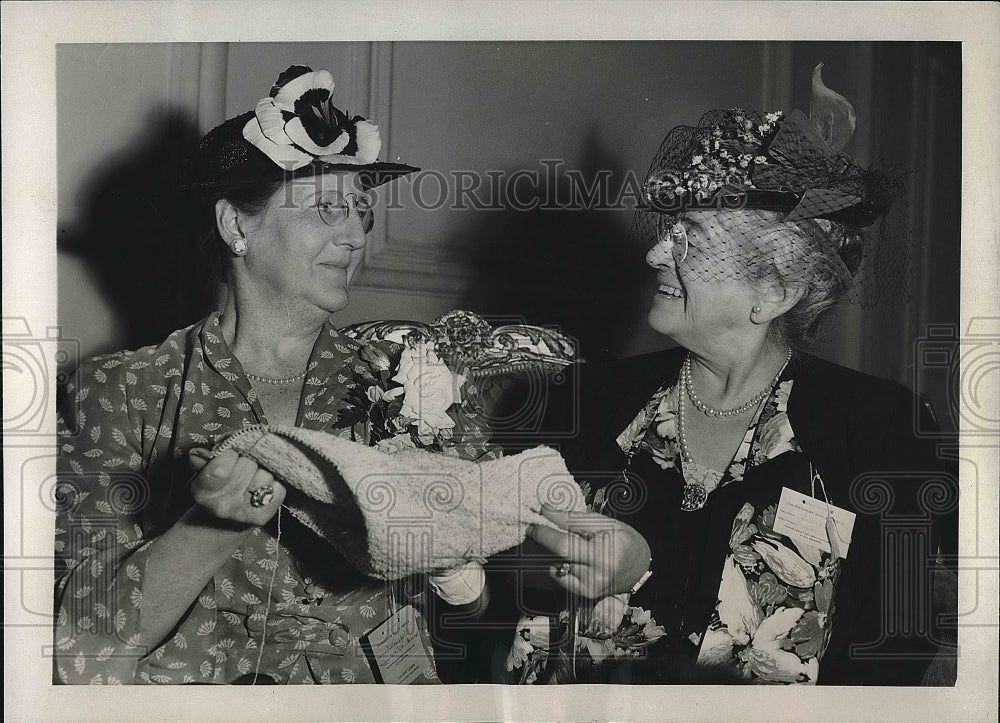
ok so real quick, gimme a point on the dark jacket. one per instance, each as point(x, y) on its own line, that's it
point(860, 434)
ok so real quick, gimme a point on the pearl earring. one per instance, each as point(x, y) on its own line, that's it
point(239, 246)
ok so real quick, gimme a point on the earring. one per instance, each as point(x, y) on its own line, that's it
point(754, 311)
point(239, 246)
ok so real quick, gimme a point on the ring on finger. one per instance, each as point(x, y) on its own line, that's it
point(261, 496)
point(563, 570)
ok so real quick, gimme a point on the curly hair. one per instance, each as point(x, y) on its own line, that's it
point(814, 256)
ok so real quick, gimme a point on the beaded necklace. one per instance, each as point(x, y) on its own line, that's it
point(734, 411)
point(272, 380)
point(699, 480)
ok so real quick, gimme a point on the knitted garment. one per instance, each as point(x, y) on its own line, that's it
point(394, 515)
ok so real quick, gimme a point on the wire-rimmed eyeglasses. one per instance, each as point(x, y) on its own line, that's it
point(669, 227)
point(334, 208)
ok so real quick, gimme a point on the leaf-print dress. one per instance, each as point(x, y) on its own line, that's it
point(285, 608)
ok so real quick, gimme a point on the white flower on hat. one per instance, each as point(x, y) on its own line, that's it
point(265, 132)
point(298, 124)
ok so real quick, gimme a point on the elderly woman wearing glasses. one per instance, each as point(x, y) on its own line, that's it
point(788, 503)
point(174, 567)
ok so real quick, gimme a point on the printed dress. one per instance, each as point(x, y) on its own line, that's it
point(286, 607)
point(730, 600)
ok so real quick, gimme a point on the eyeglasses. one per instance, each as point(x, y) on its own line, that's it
point(671, 228)
point(335, 208)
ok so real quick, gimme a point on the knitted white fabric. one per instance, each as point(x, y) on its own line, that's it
point(394, 515)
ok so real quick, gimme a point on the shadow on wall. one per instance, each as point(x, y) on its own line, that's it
point(551, 258)
point(548, 257)
point(138, 239)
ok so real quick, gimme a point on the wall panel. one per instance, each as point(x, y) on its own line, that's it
point(488, 110)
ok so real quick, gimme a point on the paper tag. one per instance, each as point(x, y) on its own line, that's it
point(397, 651)
point(804, 518)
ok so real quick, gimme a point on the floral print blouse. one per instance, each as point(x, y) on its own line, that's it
point(285, 608)
point(772, 615)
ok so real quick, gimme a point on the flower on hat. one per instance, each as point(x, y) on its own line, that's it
point(793, 163)
point(298, 123)
point(723, 157)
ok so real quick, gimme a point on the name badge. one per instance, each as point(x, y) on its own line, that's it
point(397, 651)
point(815, 522)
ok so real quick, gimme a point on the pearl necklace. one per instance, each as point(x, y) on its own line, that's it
point(734, 411)
point(685, 452)
point(696, 492)
point(270, 380)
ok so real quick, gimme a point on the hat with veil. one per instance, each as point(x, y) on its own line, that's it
point(792, 168)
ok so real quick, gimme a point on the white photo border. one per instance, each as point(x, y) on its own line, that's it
point(30, 32)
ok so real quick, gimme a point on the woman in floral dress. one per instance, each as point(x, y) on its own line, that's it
point(788, 503)
point(173, 567)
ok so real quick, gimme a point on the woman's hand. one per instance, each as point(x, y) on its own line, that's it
point(186, 556)
point(223, 486)
point(605, 556)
